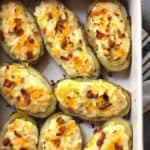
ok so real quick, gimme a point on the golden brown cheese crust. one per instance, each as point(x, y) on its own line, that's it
point(92, 99)
point(25, 89)
point(20, 134)
point(19, 34)
point(112, 136)
point(109, 33)
point(60, 132)
point(64, 39)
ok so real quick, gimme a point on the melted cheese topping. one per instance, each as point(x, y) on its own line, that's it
point(60, 133)
point(64, 39)
point(112, 137)
point(24, 89)
point(20, 135)
point(95, 98)
point(108, 28)
point(19, 33)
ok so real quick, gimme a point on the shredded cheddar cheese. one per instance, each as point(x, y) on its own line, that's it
point(93, 99)
point(64, 39)
point(20, 134)
point(60, 132)
point(21, 38)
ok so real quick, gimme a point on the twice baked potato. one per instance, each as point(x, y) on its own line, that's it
point(116, 134)
point(64, 39)
point(60, 132)
point(108, 29)
point(19, 34)
point(92, 100)
point(27, 90)
point(19, 133)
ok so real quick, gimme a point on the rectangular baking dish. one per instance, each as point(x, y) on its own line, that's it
point(131, 80)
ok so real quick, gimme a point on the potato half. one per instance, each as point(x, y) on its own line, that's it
point(92, 100)
point(19, 133)
point(27, 90)
point(64, 39)
point(109, 34)
point(19, 34)
point(60, 132)
point(116, 134)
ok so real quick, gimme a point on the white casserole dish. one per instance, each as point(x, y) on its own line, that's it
point(131, 80)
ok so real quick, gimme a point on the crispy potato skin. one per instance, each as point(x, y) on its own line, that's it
point(109, 33)
point(19, 34)
point(18, 116)
point(98, 100)
point(65, 39)
point(123, 130)
point(27, 90)
point(59, 128)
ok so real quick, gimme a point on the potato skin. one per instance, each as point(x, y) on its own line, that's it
point(58, 128)
point(100, 135)
point(65, 40)
point(19, 34)
point(27, 90)
point(20, 116)
point(109, 33)
point(98, 100)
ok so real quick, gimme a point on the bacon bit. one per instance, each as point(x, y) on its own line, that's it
point(99, 34)
point(6, 141)
point(30, 39)
point(62, 129)
point(64, 58)
point(56, 142)
point(60, 25)
point(101, 140)
point(9, 84)
point(64, 43)
point(2, 38)
point(17, 134)
point(26, 96)
point(105, 97)
point(122, 35)
point(18, 31)
point(29, 55)
point(58, 134)
point(89, 94)
point(116, 14)
point(18, 21)
point(118, 147)
point(104, 10)
point(70, 110)
point(70, 55)
point(50, 16)
point(110, 18)
point(105, 102)
point(111, 43)
point(60, 120)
